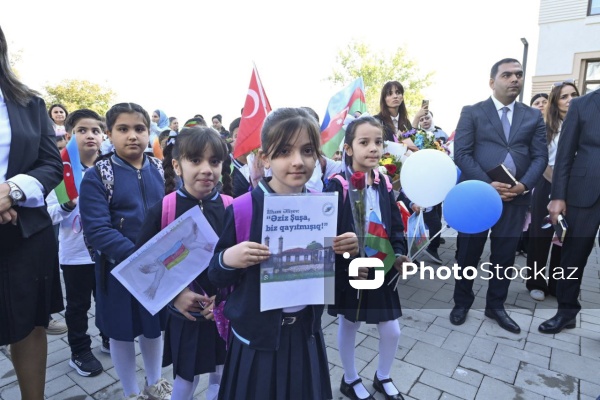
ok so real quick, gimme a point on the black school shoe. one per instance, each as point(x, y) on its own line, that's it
point(347, 390)
point(86, 364)
point(378, 385)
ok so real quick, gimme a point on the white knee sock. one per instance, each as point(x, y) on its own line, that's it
point(152, 351)
point(389, 336)
point(182, 389)
point(123, 358)
point(214, 383)
point(346, 339)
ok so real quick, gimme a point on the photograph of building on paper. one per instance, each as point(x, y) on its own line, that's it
point(312, 261)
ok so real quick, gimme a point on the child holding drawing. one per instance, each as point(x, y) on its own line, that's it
point(192, 342)
point(363, 146)
point(114, 199)
point(280, 353)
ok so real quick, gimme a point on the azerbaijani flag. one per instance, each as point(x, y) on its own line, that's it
point(333, 135)
point(176, 254)
point(349, 100)
point(377, 243)
point(68, 189)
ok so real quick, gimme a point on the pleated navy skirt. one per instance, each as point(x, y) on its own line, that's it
point(193, 347)
point(298, 370)
point(370, 306)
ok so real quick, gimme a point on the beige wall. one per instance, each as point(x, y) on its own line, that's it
point(542, 84)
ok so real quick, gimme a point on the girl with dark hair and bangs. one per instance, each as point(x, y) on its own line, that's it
point(192, 343)
point(392, 111)
point(280, 353)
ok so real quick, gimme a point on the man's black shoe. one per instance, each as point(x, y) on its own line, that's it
point(502, 318)
point(557, 324)
point(458, 315)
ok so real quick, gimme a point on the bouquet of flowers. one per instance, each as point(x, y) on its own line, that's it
point(391, 166)
point(423, 140)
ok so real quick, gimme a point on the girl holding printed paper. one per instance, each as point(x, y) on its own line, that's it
point(275, 354)
point(192, 342)
point(383, 230)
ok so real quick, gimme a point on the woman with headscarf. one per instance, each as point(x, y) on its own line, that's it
point(160, 122)
point(426, 123)
point(30, 167)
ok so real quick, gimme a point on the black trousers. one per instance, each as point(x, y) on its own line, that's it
point(539, 243)
point(504, 238)
point(80, 286)
point(581, 236)
point(433, 220)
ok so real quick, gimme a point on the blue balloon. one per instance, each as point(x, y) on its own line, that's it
point(458, 172)
point(472, 207)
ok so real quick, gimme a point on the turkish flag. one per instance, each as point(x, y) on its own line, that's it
point(256, 109)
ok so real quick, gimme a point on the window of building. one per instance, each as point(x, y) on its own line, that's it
point(592, 76)
point(594, 7)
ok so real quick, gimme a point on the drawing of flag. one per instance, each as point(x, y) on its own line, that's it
point(68, 189)
point(256, 109)
point(377, 243)
point(176, 254)
point(351, 97)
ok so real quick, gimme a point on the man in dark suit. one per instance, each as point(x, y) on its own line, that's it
point(576, 183)
point(498, 131)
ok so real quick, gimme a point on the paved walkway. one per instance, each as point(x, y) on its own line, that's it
point(435, 359)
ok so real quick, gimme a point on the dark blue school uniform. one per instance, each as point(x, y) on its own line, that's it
point(377, 305)
point(112, 230)
point(193, 347)
point(240, 183)
point(273, 355)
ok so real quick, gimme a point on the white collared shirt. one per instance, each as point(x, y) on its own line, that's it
point(500, 106)
point(31, 187)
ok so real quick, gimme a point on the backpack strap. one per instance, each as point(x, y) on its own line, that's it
point(168, 209)
point(343, 182)
point(377, 178)
point(227, 200)
point(242, 211)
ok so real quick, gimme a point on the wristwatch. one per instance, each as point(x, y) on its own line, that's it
point(15, 194)
point(525, 191)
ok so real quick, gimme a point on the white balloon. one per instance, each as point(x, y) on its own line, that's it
point(427, 176)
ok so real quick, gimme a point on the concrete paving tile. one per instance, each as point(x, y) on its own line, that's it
point(575, 365)
point(433, 358)
point(405, 291)
point(456, 388)
point(330, 336)
point(547, 383)
point(494, 389)
point(470, 327)
point(457, 341)
point(521, 355)
point(566, 336)
point(364, 353)
point(448, 396)
point(488, 369)
point(547, 340)
point(420, 391)
point(467, 376)
point(10, 391)
point(423, 336)
point(416, 319)
point(481, 349)
point(591, 319)
point(538, 349)
point(439, 331)
point(92, 384)
point(405, 375)
point(422, 296)
point(73, 393)
point(58, 385)
point(112, 392)
point(445, 295)
point(505, 361)
point(584, 331)
point(333, 356)
point(589, 389)
point(56, 345)
point(58, 356)
point(490, 330)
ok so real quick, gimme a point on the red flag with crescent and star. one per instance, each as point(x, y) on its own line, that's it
point(256, 109)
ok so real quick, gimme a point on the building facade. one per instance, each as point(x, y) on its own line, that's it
point(569, 45)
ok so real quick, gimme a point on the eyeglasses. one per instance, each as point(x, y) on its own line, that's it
point(568, 81)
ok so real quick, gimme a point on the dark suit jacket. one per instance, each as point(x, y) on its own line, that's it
point(576, 176)
point(480, 144)
point(33, 152)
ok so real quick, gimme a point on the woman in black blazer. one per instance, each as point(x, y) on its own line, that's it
point(30, 167)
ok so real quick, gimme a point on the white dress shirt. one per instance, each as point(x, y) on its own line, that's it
point(31, 187)
point(500, 106)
